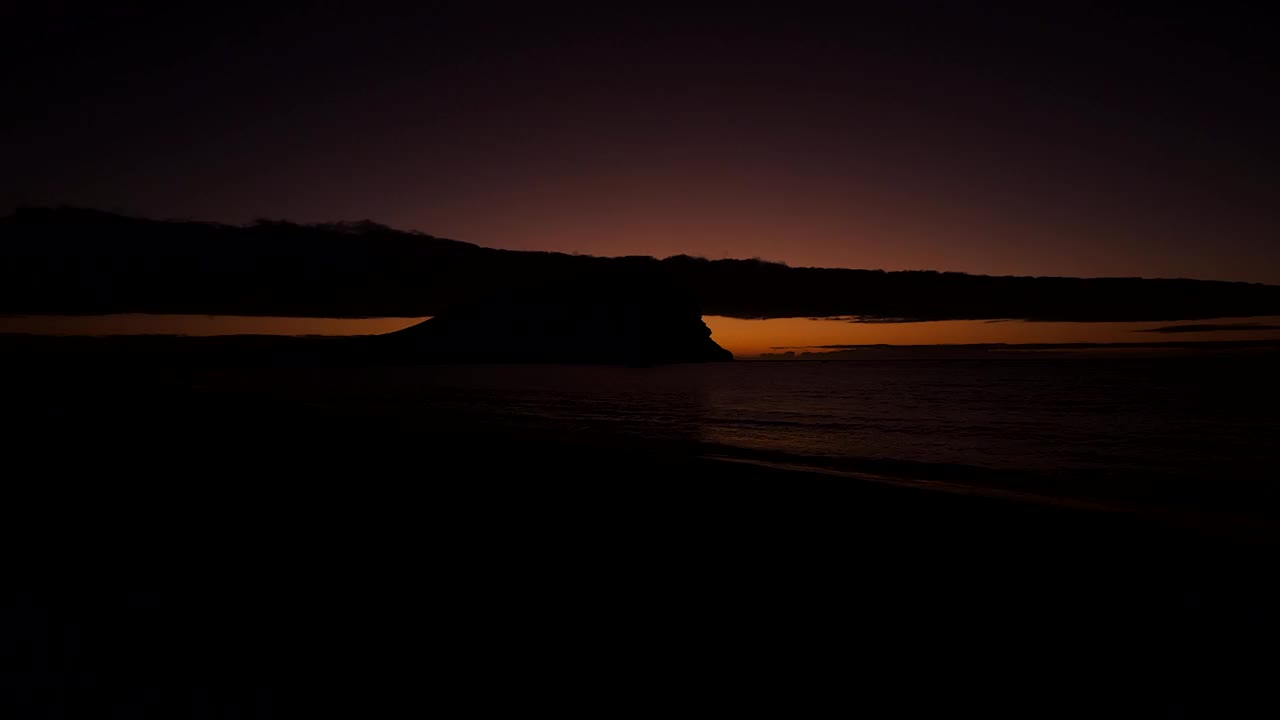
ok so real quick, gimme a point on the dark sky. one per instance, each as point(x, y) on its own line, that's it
point(1059, 139)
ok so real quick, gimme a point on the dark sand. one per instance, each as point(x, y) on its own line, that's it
point(175, 546)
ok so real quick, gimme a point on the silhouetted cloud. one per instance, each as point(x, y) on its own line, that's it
point(75, 261)
point(1211, 327)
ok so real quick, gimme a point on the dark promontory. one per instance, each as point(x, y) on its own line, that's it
point(631, 313)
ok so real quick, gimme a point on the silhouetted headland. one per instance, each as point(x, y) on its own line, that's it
point(630, 313)
point(84, 262)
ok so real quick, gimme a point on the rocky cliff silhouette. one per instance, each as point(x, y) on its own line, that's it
point(631, 314)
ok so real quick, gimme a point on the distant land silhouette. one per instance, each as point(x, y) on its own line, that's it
point(628, 312)
point(1210, 327)
point(79, 261)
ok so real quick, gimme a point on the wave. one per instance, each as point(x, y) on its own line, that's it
point(1167, 497)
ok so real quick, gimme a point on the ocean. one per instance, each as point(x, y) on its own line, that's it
point(255, 532)
point(1183, 431)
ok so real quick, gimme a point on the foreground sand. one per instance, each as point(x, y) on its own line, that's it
point(182, 549)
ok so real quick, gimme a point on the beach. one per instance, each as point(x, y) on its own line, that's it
point(176, 545)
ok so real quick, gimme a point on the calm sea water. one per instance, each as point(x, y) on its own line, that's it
point(1090, 427)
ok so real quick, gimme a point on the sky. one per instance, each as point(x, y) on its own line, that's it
point(1074, 139)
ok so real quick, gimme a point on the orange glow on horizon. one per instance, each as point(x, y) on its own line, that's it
point(750, 338)
point(745, 338)
point(143, 324)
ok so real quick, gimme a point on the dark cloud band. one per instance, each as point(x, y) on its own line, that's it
point(70, 261)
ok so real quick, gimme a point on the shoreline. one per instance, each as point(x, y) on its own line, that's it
point(181, 409)
point(176, 546)
point(1235, 526)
